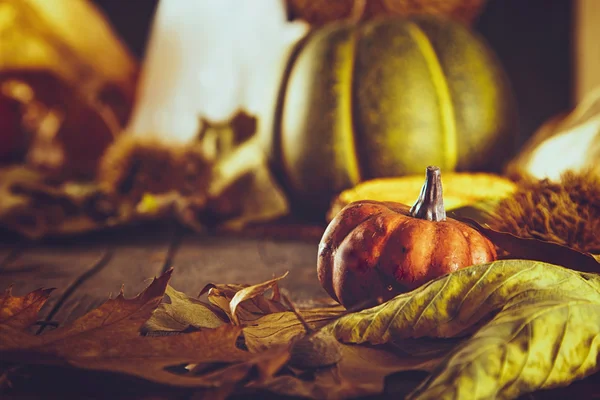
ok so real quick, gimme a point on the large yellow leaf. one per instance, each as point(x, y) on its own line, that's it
point(536, 326)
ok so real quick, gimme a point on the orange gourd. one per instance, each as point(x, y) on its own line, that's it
point(377, 249)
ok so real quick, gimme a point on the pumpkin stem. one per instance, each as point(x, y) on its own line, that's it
point(430, 204)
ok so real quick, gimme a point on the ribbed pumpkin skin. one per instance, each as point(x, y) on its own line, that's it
point(387, 98)
point(377, 249)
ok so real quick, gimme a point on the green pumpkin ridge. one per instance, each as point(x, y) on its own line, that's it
point(388, 97)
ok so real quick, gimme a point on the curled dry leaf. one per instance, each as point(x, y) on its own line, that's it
point(180, 313)
point(19, 313)
point(251, 292)
point(245, 303)
point(535, 328)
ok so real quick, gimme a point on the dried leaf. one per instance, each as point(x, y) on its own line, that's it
point(536, 328)
point(361, 372)
point(425, 348)
point(220, 294)
point(246, 301)
point(279, 328)
point(19, 313)
point(252, 292)
point(108, 339)
point(479, 211)
point(343, 372)
point(538, 250)
point(259, 368)
point(181, 313)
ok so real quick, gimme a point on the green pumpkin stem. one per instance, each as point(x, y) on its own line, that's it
point(430, 204)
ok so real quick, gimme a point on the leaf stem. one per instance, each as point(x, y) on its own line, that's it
point(293, 308)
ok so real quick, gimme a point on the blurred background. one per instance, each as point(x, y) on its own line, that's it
point(244, 112)
point(534, 39)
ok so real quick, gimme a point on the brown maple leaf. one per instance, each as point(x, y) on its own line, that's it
point(19, 313)
point(108, 339)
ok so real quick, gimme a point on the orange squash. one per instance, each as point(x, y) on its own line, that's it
point(375, 249)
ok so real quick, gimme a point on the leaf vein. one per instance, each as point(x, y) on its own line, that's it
point(447, 280)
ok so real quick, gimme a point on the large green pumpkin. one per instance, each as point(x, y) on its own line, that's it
point(387, 98)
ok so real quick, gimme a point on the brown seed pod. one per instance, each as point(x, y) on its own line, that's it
point(312, 349)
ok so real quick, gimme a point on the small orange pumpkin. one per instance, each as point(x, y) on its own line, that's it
point(375, 249)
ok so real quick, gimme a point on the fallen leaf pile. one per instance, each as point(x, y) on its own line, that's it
point(108, 338)
point(496, 330)
point(147, 338)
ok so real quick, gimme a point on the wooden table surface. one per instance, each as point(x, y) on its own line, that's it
point(85, 270)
